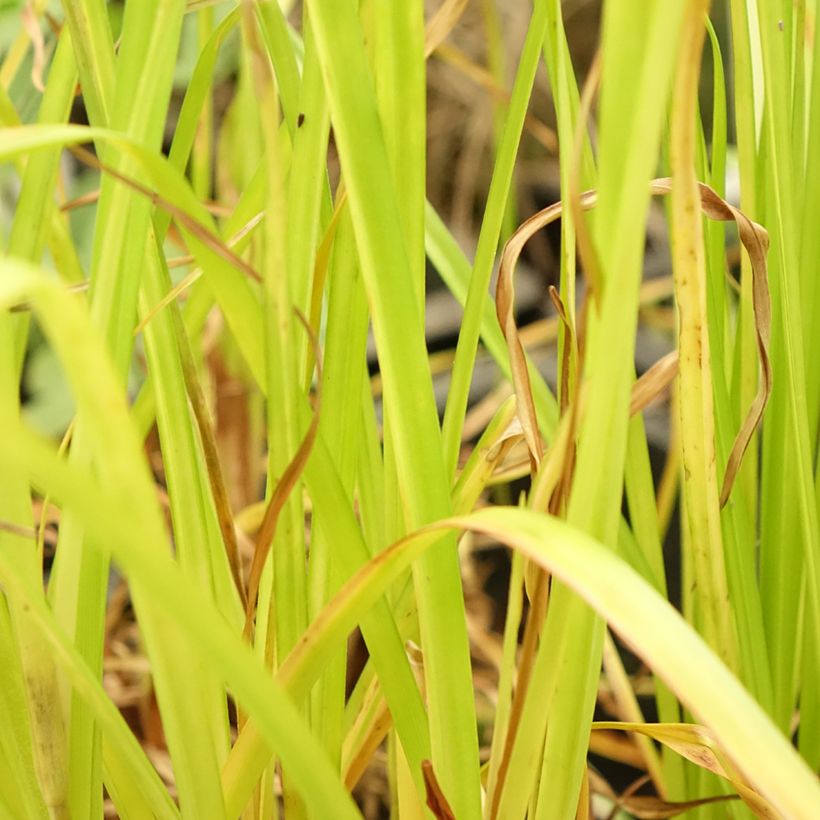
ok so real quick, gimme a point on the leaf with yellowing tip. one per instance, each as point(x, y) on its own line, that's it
point(698, 745)
point(693, 742)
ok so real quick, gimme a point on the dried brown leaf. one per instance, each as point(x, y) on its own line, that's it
point(442, 23)
point(653, 382)
point(483, 78)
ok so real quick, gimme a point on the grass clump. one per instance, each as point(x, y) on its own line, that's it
point(217, 260)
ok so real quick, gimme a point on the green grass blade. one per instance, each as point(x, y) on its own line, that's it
point(631, 104)
point(489, 236)
point(407, 391)
point(789, 511)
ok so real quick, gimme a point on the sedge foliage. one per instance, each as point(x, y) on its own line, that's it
point(236, 256)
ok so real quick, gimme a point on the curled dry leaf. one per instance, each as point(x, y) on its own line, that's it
point(755, 240)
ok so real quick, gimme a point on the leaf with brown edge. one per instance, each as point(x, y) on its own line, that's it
point(569, 348)
point(436, 801)
point(648, 387)
point(283, 489)
point(691, 741)
point(216, 479)
point(636, 612)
